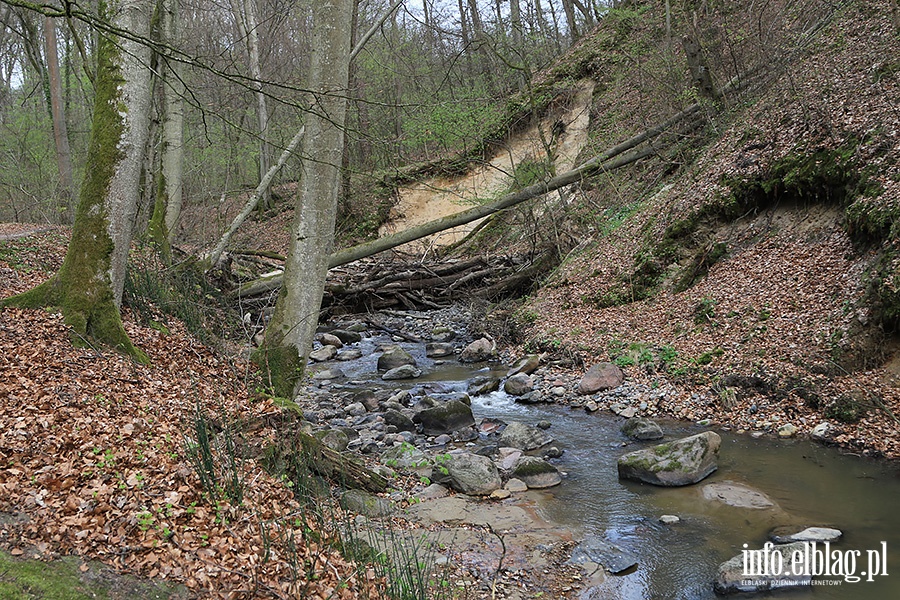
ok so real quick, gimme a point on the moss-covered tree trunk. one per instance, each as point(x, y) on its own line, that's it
point(290, 333)
point(89, 286)
point(170, 179)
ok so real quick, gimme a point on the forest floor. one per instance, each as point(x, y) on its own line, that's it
point(100, 495)
point(94, 464)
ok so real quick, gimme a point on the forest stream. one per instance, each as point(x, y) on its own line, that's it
point(808, 484)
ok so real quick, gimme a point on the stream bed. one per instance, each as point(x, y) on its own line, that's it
point(810, 484)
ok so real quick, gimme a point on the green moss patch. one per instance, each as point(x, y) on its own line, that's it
point(26, 579)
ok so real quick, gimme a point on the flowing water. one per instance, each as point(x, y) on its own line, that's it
point(811, 485)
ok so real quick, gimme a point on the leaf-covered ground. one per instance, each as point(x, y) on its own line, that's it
point(93, 460)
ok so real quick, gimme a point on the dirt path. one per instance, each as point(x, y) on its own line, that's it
point(439, 197)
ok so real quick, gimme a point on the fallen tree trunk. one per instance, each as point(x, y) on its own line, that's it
point(592, 167)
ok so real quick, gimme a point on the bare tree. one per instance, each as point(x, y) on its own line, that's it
point(60, 131)
point(290, 333)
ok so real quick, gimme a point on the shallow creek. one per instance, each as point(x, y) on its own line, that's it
point(812, 485)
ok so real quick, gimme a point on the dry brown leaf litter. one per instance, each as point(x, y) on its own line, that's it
point(91, 451)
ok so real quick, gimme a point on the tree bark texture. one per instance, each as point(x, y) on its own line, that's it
point(290, 333)
point(88, 287)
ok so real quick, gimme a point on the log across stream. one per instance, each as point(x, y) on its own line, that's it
point(810, 485)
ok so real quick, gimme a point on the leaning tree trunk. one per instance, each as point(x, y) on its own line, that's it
point(89, 285)
point(290, 333)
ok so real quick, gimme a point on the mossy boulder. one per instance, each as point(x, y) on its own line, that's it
point(677, 463)
point(469, 473)
point(536, 472)
point(405, 456)
point(366, 504)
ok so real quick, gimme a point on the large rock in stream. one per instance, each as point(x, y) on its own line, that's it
point(676, 463)
point(468, 473)
point(394, 357)
point(448, 417)
point(524, 437)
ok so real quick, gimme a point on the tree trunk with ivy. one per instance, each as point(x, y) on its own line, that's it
point(290, 333)
point(88, 287)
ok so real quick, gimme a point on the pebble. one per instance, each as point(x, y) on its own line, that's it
point(669, 519)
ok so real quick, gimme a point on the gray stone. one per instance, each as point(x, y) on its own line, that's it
point(402, 372)
point(676, 463)
point(518, 385)
point(349, 354)
point(393, 357)
point(669, 519)
point(731, 579)
point(355, 409)
point(536, 472)
point(737, 495)
point(628, 412)
point(469, 473)
point(507, 457)
point(544, 424)
point(822, 432)
point(643, 429)
point(326, 374)
point(404, 456)
point(324, 353)
point(334, 439)
point(527, 365)
point(398, 420)
point(329, 339)
point(445, 418)
point(347, 337)
point(603, 376)
point(478, 351)
point(525, 437)
point(438, 350)
point(591, 406)
point(368, 399)
point(366, 504)
point(433, 492)
point(787, 535)
point(516, 485)
point(594, 550)
point(483, 385)
point(443, 334)
point(553, 452)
